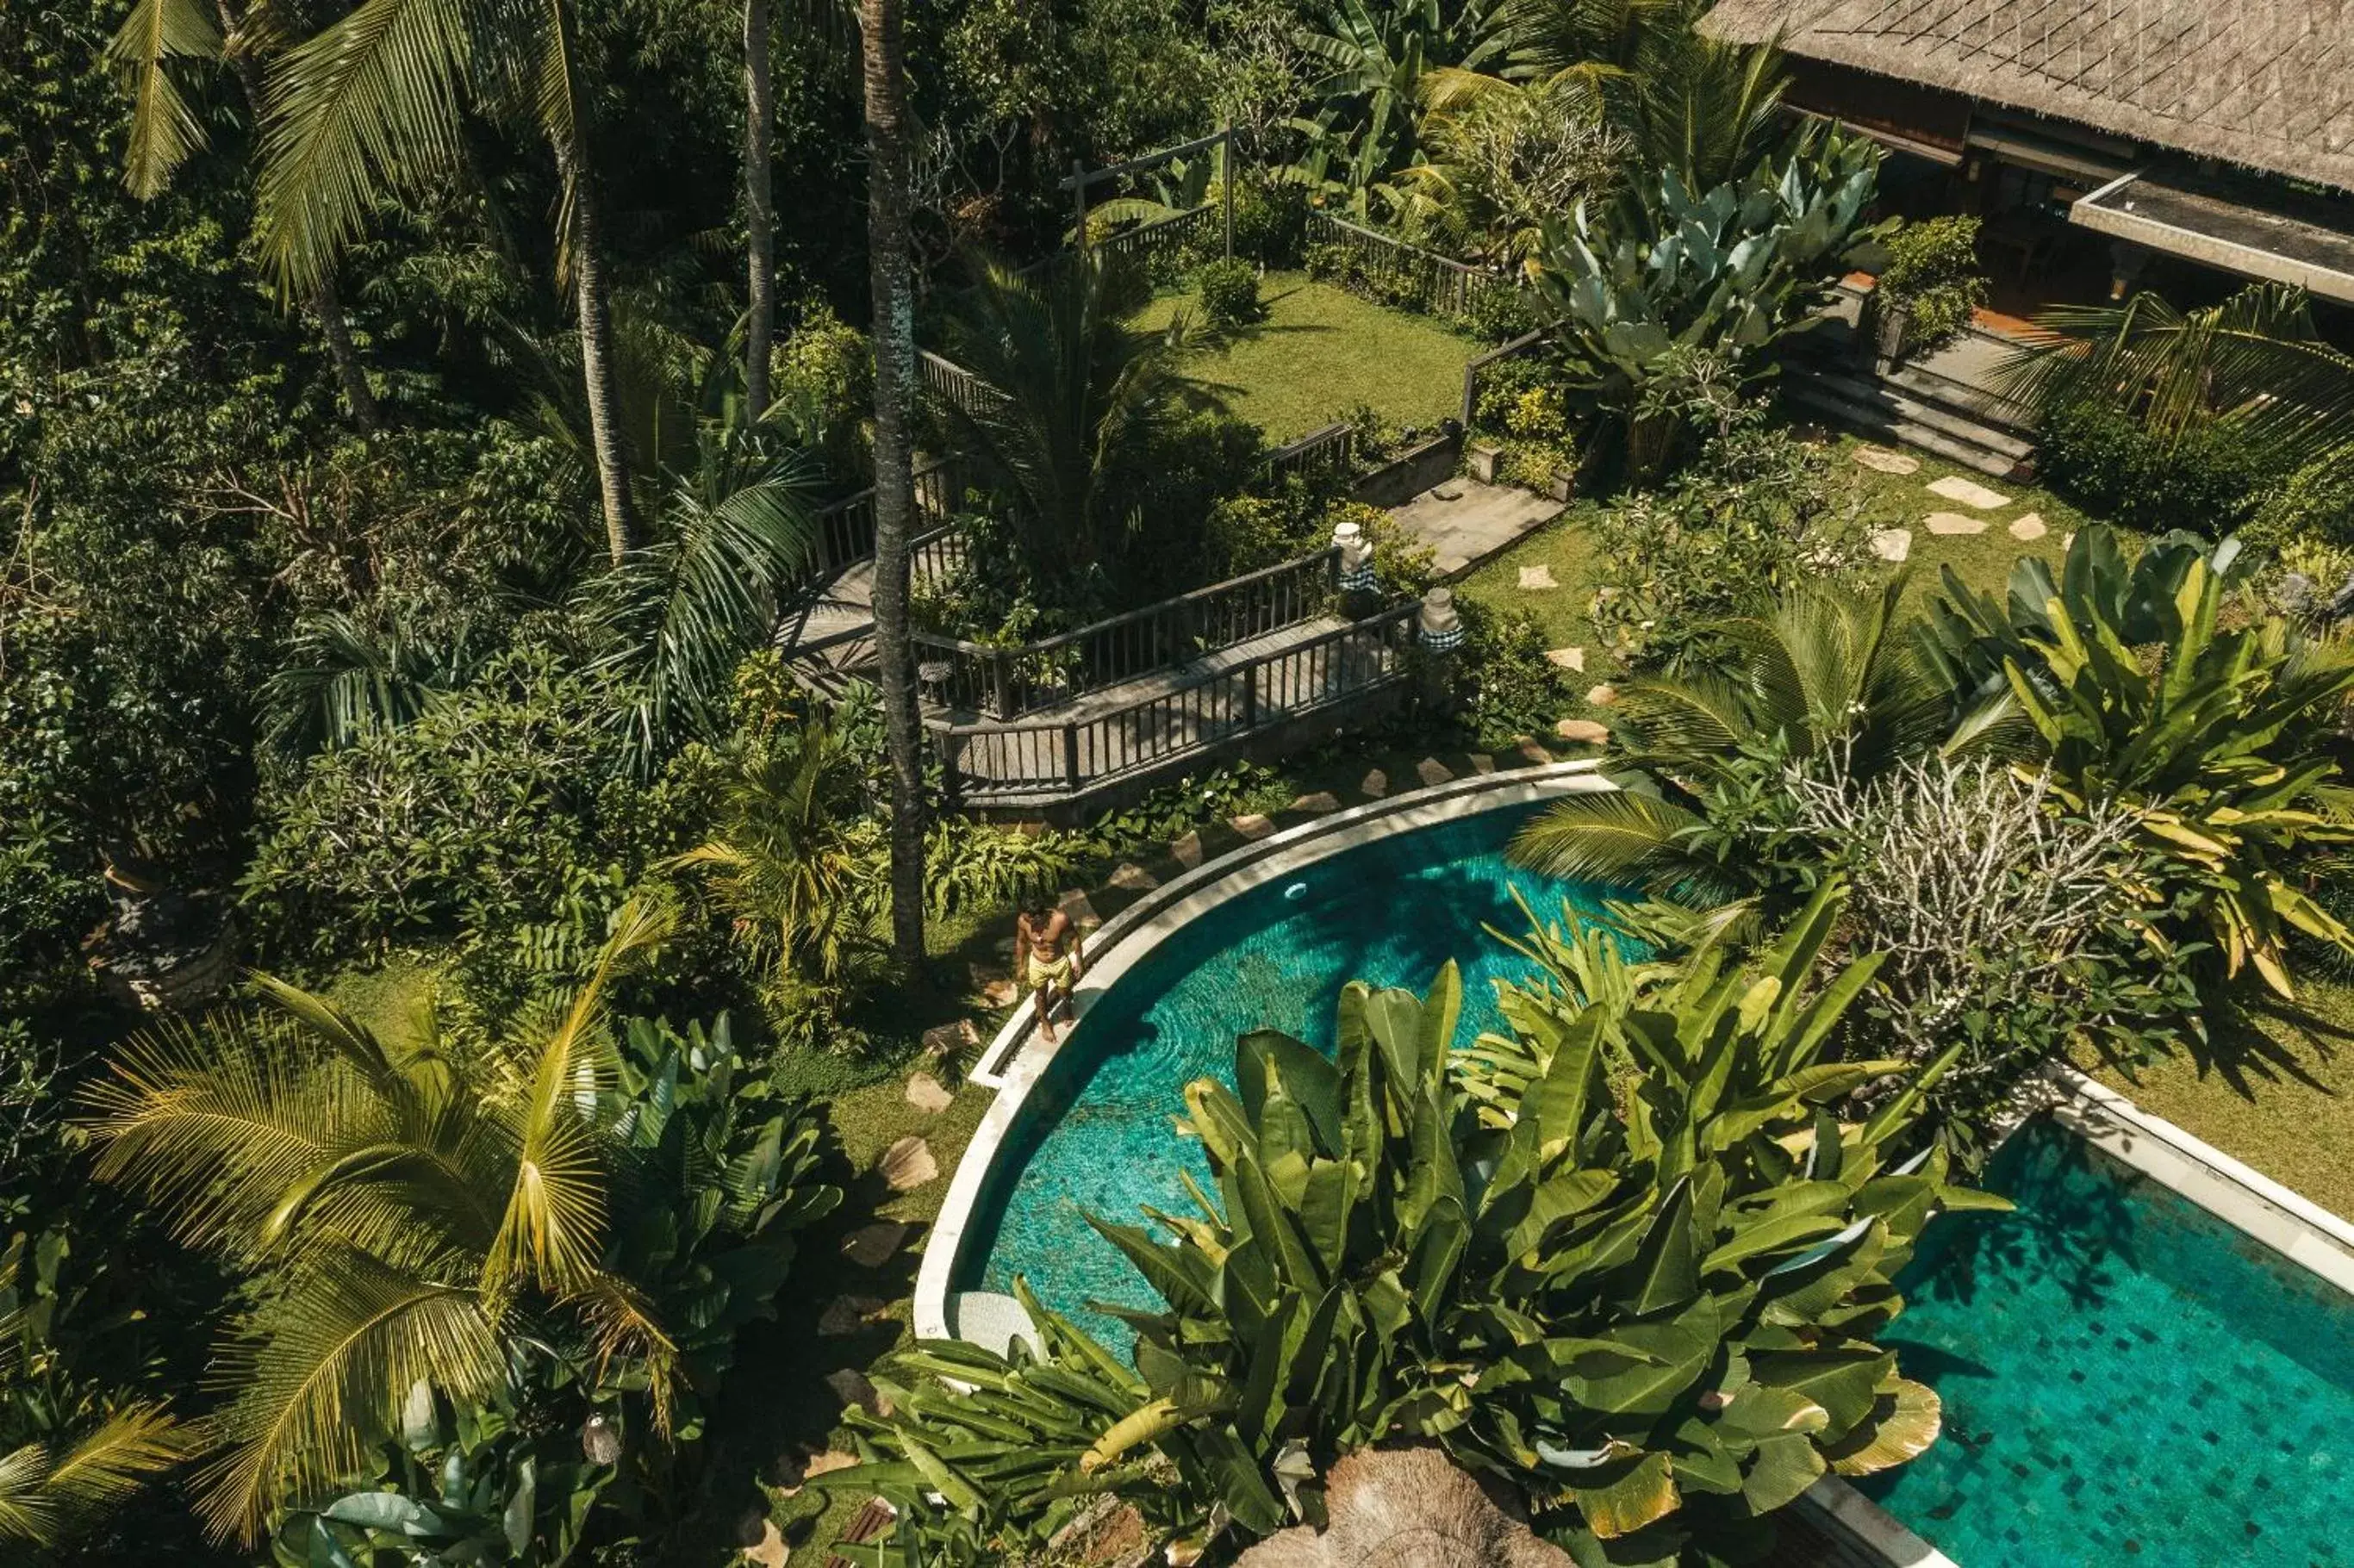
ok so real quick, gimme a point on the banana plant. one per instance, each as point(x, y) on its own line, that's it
point(1648, 1307)
point(2216, 735)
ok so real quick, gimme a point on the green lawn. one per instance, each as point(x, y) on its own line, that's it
point(1321, 351)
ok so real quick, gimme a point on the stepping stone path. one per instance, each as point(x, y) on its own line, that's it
point(908, 1164)
point(1253, 825)
point(1893, 543)
point(1533, 752)
point(1969, 492)
point(1134, 878)
point(1482, 763)
point(794, 1471)
point(2029, 528)
point(927, 1095)
point(1567, 658)
point(1882, 461)
point(1587, 731)
point(1375, 784)
point(1430, 770)
point(946, 1039)
point(1187, 851)
point(1321, 802)
point(771, 1551)
point(871, 1247)
point(849, 1314)
point(851, 1387)
point(1602, 695)
point(1077, 910)
point(1537, 578)
point(1951, 523)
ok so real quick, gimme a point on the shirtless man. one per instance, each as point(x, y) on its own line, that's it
point(1040, 933)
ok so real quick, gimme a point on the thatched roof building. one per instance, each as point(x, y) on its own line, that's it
point(2265, 84)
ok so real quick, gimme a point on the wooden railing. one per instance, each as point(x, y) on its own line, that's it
point(1318, 454)
point(1005, 683)
point(952, 383)
point(1050, 762)
point(1163, 233)
point(846, 528)
point(1526, 343)
point(1443, 285)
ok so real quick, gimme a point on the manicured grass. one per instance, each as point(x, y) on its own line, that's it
point(1321, 351)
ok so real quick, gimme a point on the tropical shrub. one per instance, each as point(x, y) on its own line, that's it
point(2315, 505)
point(1755, 516)
point(1508, 687)
point(2218, 739)
point(1652, 1327)
point(1503, 159)
point(1632, 291)
point(2104, 461)
point(1229, 293)
point(1932, 280)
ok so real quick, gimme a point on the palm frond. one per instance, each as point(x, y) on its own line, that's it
point(157, 37)
point(1612, 837)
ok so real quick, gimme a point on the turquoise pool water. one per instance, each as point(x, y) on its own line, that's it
point(1096, 1134)
point(2127, 1380)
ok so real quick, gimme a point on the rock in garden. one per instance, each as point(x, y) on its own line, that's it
point(998, 993)
point(1567, 658)
point(927, 1095)
point(1534, 752)
point(1893, 543)
point(1253, 825)
point(851, 1387)
point(1482, 763)
point(1375, 784)
point(908, 1164)
point(1882, 461)
point(1587, 732)
point(1187, 851)
point(1430, 770)
point(1537, 578)
point(2029, 528)
point(871, 1247)
point(1952, 523)
point(849, 1314)
point(946, 1039)
point(1077, 910)
point(1602, 695)
point(1322, 801)
point(1134, 878)
point(1968, 492)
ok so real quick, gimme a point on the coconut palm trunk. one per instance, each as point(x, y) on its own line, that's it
point(892, 282)
point(759, 213)
point(598, 380)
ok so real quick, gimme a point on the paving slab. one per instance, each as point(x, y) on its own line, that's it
point(1948, 524)
point(1533, 752)
point(1567, 658)
point(927, 1095)
point(1133, 878)
point(1882, 461)
point(1430, 770)
point(1375, 783)
point(1893, 543)
point(1253, 824)
point(1187, 851)
point(1969, 492)
point(1602, 694)
point(871, 1247)
point(1323, 801)
point(1587, 731)
point(1482, 763)
point(908, 1164)
point(2029, 528)
point(1533, 577)
point(1464, 522)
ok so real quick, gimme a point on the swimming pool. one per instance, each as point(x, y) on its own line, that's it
point(2127, 1380)
point(1094, 1134)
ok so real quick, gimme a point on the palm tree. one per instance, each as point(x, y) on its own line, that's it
point(1375, 54)
point(52, 1494)
point(891, 274)
point(409, 1211)
point(161, 36)
point(759, 213)
point(1076, 391)
point(374, 106)
point(1505, 157)
point(1824, 678)
point(2252, 362)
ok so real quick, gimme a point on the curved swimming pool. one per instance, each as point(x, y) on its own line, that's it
point(1094, 1132)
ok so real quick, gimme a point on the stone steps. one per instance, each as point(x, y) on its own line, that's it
point(1877, 408)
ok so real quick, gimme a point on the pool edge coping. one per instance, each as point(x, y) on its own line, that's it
point(1014, 1063)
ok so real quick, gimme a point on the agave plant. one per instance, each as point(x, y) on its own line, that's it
point(1822, 672)
point(2217, 737)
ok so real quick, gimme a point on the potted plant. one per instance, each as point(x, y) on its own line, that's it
point(1924, 294)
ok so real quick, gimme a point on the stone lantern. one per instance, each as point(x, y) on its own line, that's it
point(1356, 563)
point(1440, 625)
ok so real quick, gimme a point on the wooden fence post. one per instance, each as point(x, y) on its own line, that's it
point(1071, 755)
point(1227, 185)
point(1001, 686)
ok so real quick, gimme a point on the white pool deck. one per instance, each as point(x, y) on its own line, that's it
point(2299, 1229)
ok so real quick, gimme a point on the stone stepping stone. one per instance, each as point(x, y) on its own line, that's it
point(1586, 731)
point(1430, 770)
point(1134, 878)
point(1894, 545)
point(790, 1472)
point(1530, 751)
point(1482, 763)
point(1253, 825)
point(927, 1095)
point(1537, 578)
point(946, 1039)
point(1077, 909)
point(1948, 524)
point(1879, 460)
point(1602, 695)
point(872, 1247)
point(851, 1387)
point(1375, 784)
point(770, 1552)
point(1323, 801)
point(1567, 658)
point(849, 1315)
point(2029, 528)
point(1187, 851)
point(908, 1164)
point(1969, 492)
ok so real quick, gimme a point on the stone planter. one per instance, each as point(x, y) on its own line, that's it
point(1890, 327)
point(1485, 461)
point(1563, 484)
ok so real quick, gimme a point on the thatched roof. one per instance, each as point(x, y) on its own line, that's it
point(2265, 84)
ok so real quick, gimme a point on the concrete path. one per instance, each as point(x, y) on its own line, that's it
point(1466, 521)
